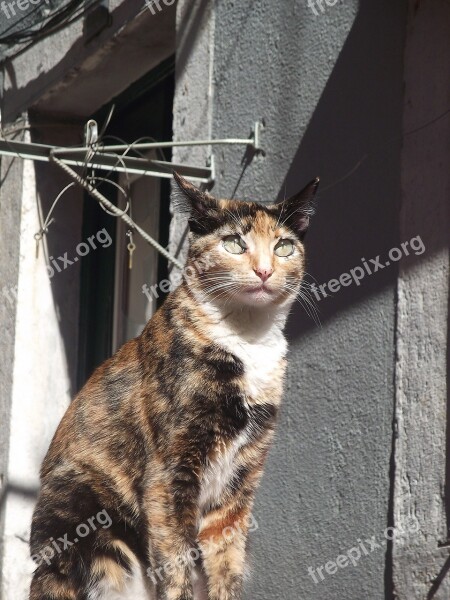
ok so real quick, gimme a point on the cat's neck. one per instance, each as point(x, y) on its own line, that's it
point(252, 324)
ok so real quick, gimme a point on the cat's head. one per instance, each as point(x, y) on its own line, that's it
point(245, 252)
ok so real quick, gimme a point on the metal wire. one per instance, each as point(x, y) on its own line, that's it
point(54, 22)
point(153, 145)
point(116, 211)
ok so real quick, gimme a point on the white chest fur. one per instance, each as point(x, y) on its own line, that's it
point(261, 360)
point(260, 350)
point(219, 472)
point(259, 347)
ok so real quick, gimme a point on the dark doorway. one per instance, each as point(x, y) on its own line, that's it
point(112, 307)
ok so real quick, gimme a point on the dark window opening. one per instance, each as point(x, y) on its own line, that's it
point(112, 305)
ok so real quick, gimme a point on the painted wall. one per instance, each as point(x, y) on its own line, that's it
point(329, 89)
point(34, 380)
point(422, 454)
point(9, 267)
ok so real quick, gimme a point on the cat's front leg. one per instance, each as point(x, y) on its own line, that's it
point(170, 552)
point(222, 540)
point(171, 507)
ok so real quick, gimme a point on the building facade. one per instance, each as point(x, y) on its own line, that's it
point(355, 501)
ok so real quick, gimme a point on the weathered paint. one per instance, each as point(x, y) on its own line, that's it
point(423, 303)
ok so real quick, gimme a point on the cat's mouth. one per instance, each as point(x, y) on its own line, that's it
point(259, 290)
point(260, 294)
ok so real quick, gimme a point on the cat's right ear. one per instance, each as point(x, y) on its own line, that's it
point(203, 209)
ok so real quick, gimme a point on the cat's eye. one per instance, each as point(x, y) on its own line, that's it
point(284, 248)
point(234, 244)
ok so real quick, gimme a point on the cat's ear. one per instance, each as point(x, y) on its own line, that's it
point(202, 208)
point(296, 211)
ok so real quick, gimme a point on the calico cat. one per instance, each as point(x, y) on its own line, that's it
point(167, 440)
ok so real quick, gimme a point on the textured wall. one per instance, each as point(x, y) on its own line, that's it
point(11, 175)
point(192, 109)
point(40, 391)
point(422, 479)
point(329, 88)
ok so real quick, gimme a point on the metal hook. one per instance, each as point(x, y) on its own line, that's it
point(91, 133)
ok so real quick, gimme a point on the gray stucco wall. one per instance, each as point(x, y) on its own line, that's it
point(11, 191)
point(329, 88)
point(422, 456)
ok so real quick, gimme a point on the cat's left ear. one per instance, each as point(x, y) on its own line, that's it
point(200, 206)
point(296, 211)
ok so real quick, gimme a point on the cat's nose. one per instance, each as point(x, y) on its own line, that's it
point(263, 273)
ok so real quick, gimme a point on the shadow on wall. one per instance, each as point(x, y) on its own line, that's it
point(337, 479)
point(353, 142)
point(64, 233)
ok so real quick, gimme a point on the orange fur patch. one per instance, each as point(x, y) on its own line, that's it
point(109, 569)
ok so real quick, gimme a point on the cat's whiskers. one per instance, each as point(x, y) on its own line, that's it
point(304, 303)
point(208, 276)
point(236, 219)
point(305, 299)
point(240, 216)
point(306, 274)
point(218, 284)
point(216, 280)
point(312, 307)
point(218, 288)
point(281, 208)
point(307, 211)
point(229, 291)
point(213, 275)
